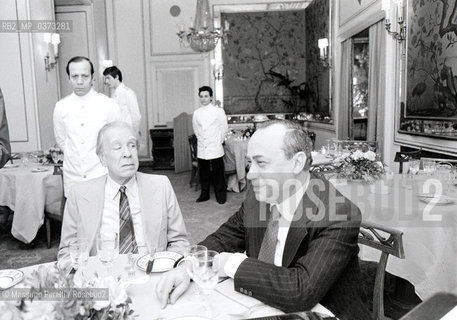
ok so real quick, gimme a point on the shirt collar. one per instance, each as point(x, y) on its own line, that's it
point(86, 96)
point(288, 206)
point(112, 187)
point(119, 87)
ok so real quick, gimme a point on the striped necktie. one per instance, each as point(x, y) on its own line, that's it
point(268, 247)
point(127, 241)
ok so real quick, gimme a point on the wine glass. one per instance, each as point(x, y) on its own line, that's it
point(79, 254)
point(108, 249)
point(205, 268)
point(189, 256)
point(414, 166)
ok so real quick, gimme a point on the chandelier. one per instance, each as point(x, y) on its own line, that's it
point(202, 36)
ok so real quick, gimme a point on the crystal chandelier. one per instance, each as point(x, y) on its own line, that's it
point(202, 36)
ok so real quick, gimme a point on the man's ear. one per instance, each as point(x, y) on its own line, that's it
point(102, 159)
point(300, 160)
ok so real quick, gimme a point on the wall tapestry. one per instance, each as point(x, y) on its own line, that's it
point(268, 63)
point(431, 90)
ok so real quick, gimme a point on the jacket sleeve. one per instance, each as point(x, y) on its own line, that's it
point(59, 128)
point(303, 284)
point(176, 229)
point(230, 237)
point(70, 224)
point(223, 124)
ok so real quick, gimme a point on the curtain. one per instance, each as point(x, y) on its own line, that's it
point(376, 91)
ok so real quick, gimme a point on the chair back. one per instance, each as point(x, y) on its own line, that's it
point(193, 147)
point(182, 127)
point(405, 156)
point(388, 241)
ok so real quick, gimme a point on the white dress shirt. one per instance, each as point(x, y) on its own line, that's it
point(128, 103)
point(286, 210)
point(210, 126)
point(77, 121)
point(110, 218)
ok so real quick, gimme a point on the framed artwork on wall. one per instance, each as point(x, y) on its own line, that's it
point(348, 9)
point(430, 105)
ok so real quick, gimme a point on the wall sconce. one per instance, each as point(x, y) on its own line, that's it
point(50, 60)
point(323, 52)
point(386, 6)
point(218, 70)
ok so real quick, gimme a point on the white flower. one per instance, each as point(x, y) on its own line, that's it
point(358, 154)
point(370, 155)
point(9, 311)
point(39, 310)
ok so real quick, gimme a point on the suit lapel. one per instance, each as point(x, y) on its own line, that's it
point(92, 208)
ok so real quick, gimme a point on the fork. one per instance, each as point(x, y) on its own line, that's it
point(246, 313)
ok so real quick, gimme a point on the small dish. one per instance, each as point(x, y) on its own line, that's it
point(11, 165)
point(163, 261)
point(10, 277)
point(438, 200)
point(40, 169)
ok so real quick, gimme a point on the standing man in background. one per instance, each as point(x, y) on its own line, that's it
point(210, 126)
point(77, 119)
point(5, 147)
point(124, 97)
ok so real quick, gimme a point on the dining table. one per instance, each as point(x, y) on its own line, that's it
point(29, 190)
point(235, 150)
point(425, 210)
point(225, 303)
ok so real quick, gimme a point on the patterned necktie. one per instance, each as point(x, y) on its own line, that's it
point(127, 241)
point(268, 247)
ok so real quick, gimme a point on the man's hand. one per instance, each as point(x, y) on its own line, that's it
point(172, 285)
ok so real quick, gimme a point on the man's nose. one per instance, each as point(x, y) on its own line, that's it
point(79, 80)
point(127, 151)
point(252, 173)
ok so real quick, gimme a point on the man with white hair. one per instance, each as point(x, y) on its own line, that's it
point(141, 209)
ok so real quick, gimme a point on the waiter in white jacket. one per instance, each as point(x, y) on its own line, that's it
point(210, 126)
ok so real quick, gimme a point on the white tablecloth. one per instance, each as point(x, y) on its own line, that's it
point(28, 194)
point(430, 231)
point(235, 149)
point(146, 306)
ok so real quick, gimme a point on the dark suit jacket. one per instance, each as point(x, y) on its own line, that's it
point(5, 148)
point(320, 261)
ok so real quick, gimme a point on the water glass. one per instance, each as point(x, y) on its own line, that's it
point(414, 166)
point(79, 252)
point(444, 175)
point(25, 159)
point(429, 166)
point(108, 249)
point(205, 267)
point(188, 257)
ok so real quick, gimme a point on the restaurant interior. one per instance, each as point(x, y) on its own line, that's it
point(371, 79)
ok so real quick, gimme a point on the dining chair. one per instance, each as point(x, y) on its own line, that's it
point(404, 156)
point(55, 214)
point(434, 308)
point(193, 154)
point(389, 242)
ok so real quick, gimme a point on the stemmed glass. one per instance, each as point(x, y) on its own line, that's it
point(108, 250)
point(205, 267)
point(414, 167)
point(189, 254)
point(79, 254)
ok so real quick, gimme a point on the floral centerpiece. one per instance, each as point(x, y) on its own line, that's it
point(67, 305)
point(359, 165)
point(54, 155)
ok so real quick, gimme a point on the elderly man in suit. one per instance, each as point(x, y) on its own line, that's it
point(293, 242)
point(141, 208)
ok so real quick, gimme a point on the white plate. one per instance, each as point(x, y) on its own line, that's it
point(39, 169)
point(11, 165)
point(437, 200)
point(163, 261)
point(191, 318)
point(9, 278)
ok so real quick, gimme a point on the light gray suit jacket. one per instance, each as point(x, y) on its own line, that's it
point(163, 223)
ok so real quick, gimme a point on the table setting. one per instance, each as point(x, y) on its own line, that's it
point(126, 289)
point(29, 187)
